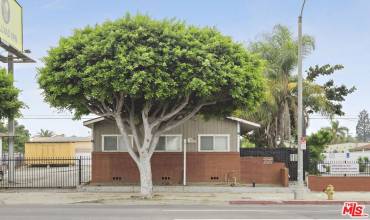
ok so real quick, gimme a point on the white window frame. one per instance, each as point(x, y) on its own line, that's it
point(115, 135)
point(214, 135)
point(171, 135)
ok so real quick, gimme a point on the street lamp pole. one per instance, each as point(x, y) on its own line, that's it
point(300, 187)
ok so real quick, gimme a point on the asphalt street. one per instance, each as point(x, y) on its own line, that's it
point(164, 212)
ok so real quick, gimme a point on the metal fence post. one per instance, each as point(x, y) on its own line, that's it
point(79, 171)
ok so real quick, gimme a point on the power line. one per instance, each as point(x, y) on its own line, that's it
point(328, 118)
point(52, 118)
point(65, 117)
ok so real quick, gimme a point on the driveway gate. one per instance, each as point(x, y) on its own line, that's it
point(284, 155)
point(44, 172)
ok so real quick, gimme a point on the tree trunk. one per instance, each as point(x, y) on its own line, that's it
point(287, 132)
point(281, 124)
point(146, 183)
point(275, 137)
point(141, 156)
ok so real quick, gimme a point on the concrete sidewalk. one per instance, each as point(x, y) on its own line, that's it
point(189, 189)
point(74, 197)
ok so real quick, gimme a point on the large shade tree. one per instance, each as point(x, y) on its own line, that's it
point(150, 76)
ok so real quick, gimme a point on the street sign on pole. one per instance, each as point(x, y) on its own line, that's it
point(303, 143)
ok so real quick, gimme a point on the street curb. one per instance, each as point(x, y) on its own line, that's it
point(294, 202)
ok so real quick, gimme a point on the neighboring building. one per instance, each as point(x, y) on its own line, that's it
point(362, 148)
point(212, 154)
point(58, 147)
point(348, 156)
point(346, 152)
point(343, 148)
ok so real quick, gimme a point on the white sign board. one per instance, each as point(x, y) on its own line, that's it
point(11, 24)
point(268, 160)
point(344, 168)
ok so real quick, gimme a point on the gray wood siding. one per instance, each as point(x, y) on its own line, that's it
point(190, 129)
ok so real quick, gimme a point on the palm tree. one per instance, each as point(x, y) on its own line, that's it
point(278, 113)
point(45, 133)
point(279, 49)
point(338, 133)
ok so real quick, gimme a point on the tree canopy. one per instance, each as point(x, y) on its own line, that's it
point(22, 135)
point(317, 142)
point(363, 126)
point(144, 60)
point(150, 76)
point(45, 133)
point(9, 103)
point(337, 132)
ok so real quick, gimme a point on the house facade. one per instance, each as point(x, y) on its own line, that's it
point(198, 151)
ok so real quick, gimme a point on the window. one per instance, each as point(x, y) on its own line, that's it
point(110, 143)
point(169, 143)
point(115, 142)
point(219, 142)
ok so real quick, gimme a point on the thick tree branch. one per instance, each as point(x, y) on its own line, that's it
point(120, 101)
point(176, 122)
point(106, 108)
point(155, 112)
point(153, 144)
point(133, 127)
point(144, 117)
point(172, 113)
point(98, 112)
point(164, 109)
point(123, 130)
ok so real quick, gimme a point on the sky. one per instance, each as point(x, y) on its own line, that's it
point(341, 29)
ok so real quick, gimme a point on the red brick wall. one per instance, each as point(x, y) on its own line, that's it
point(106, 166)
point(253, 169)
point(340, 183)
point(167, 168)
point(212, 167)
point(204, 167)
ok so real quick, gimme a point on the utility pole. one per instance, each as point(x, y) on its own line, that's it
point(11, 128)
point(298, 194)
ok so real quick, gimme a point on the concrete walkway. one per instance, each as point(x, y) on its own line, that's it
point(74, 197)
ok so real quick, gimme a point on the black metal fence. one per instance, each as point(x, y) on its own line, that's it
point(53, 172)
point(342, 168)
point(285, 155)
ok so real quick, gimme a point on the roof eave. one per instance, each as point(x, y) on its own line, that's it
point(90, 122)
point(250, 124)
